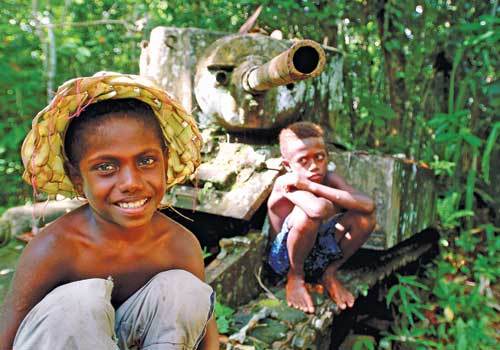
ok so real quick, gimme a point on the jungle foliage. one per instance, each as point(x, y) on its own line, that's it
point(420, 79)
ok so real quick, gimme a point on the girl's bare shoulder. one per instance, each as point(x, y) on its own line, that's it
point(181, 244)
point(173, 230)
point(63, 232)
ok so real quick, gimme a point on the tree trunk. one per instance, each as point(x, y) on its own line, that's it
point(390, 65)
point(48, 45)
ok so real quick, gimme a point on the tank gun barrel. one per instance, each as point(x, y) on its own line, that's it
point(304, 60)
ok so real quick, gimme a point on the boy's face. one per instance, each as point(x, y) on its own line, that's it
point(306, 157)
point(122, 172)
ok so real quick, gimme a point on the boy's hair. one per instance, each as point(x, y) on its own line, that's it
point(299, 130)
point(97, 114)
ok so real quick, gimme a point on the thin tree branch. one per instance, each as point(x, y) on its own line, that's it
point(88, 23)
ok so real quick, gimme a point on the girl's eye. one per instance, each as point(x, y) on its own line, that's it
point(302, 161)
point(105, 167)
point(146, 161)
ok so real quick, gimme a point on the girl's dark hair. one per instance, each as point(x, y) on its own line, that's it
point(96, 114)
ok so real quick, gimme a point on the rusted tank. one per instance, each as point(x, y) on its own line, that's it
point(242, 89)
point(252, 82)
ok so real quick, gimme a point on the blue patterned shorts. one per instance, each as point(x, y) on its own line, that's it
point(324, 252)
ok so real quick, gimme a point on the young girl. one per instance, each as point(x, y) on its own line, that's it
point(114, 273)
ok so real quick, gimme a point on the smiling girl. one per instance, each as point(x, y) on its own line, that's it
point(114, 273)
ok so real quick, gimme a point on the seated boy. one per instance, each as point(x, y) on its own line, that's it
point(318, 221)
point(114, 273)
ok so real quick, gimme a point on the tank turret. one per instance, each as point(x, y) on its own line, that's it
point(253, 82)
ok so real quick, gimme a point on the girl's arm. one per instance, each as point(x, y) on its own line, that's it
point(42, 266)
point(196, 265)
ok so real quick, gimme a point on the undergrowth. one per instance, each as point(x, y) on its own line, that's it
point(456, 305)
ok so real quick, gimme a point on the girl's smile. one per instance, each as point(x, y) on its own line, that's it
point(132, 205)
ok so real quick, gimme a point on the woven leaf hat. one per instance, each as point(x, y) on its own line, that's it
point(42, 151)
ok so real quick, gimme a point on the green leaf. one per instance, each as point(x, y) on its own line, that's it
point(482, 37)
point(471, 139)
point(82, 53)
point(456, 61)
point(490, 143)
point(223, 317)
point(460, 214)
point(390, 294)
point(420, 316)
point(461, 335)
point(378, 122)
point(222, 325)
point(447, 137)
point(438, 119)
point(471, 183)
point(206, 253)
point(413, 295)
point(485, 196)
point(470, 26)
point(223, 310)
point(412, 280)
point(364, 343)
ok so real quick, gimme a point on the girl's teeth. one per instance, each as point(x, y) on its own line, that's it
point(132, 205)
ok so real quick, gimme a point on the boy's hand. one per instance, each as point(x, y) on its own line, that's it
point(292, 182)
point(341, 229)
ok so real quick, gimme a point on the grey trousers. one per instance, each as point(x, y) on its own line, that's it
point(169, 312)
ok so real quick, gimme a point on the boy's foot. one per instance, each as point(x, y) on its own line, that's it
point(297, 295)
point(339, 294)
point(315, 288)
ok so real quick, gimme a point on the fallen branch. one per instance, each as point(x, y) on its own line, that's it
point(269, 294)
point(242, 333)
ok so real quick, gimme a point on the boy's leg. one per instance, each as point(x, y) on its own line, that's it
point(301, 239)
point(74, 316)
point(171, 311)
point(359, 226)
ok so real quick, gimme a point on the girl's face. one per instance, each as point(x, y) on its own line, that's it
point(122, 172)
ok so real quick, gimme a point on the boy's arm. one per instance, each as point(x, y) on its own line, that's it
point(315, 207)
point(41, 268)
point(287, 194)
point(340, 193)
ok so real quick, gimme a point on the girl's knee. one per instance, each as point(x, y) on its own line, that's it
point(180, 289)
point(81, 300)
point(182, 306)
point(69, 311)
